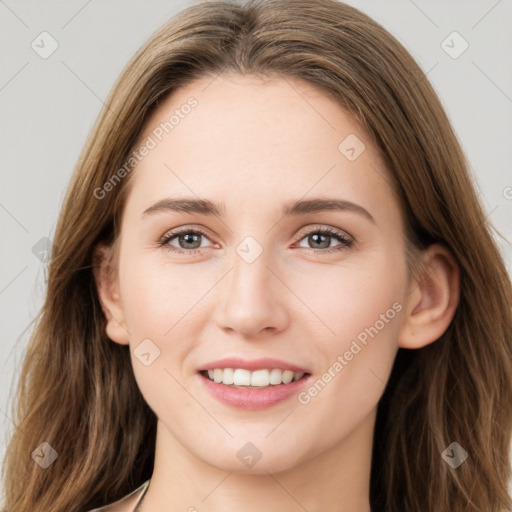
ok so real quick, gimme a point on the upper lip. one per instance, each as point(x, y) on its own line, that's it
point(254, 364)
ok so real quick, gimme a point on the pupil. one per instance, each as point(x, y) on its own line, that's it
point(315, 239)
point(189, 238)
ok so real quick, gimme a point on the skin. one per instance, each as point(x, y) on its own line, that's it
point(255, 143)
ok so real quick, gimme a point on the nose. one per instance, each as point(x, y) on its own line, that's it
point(252, 299)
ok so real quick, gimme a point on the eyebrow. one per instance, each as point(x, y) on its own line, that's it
point(291, 208)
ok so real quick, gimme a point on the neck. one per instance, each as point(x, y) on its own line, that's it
point(336, 480)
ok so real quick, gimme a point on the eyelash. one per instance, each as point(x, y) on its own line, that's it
point(346, 242)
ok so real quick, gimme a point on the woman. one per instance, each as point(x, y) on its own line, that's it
point(254, 368)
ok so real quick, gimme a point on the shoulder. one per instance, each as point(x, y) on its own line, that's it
point(125, 504)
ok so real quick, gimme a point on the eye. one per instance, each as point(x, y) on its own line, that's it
point(188, 240)
point(321, 239)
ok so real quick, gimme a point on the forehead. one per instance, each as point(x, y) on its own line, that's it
point(251, 139)
point(277, 116)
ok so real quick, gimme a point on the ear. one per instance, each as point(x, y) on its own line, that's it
point(107, 285)
point(432, 300)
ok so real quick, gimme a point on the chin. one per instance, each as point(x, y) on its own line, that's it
point(253, 458)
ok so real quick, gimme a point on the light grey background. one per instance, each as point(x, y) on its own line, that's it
point(49, 105)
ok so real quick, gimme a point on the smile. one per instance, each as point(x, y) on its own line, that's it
point(266, 392)
point(236, 377)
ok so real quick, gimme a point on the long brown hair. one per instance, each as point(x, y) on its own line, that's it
point(77, 391)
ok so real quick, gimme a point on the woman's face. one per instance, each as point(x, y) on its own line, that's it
point(261, 280)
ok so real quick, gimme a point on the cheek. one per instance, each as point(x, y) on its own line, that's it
point(157, 296)
point(355, 297)
point(162, 304)
point(155, 304)
point(361, 312)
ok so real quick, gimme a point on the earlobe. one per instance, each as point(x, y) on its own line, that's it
point(107, 286)
point(432, 300)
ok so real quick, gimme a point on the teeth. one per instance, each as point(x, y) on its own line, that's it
point(228, 376)
point(275, 376)
point(257, 378)
point(240, 377)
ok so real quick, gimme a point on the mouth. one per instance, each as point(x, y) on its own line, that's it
point(257, 379)
point(253, 384)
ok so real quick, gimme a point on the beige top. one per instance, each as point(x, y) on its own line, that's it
point(131, 501)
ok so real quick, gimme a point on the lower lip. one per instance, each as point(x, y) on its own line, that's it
point(253, 398)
